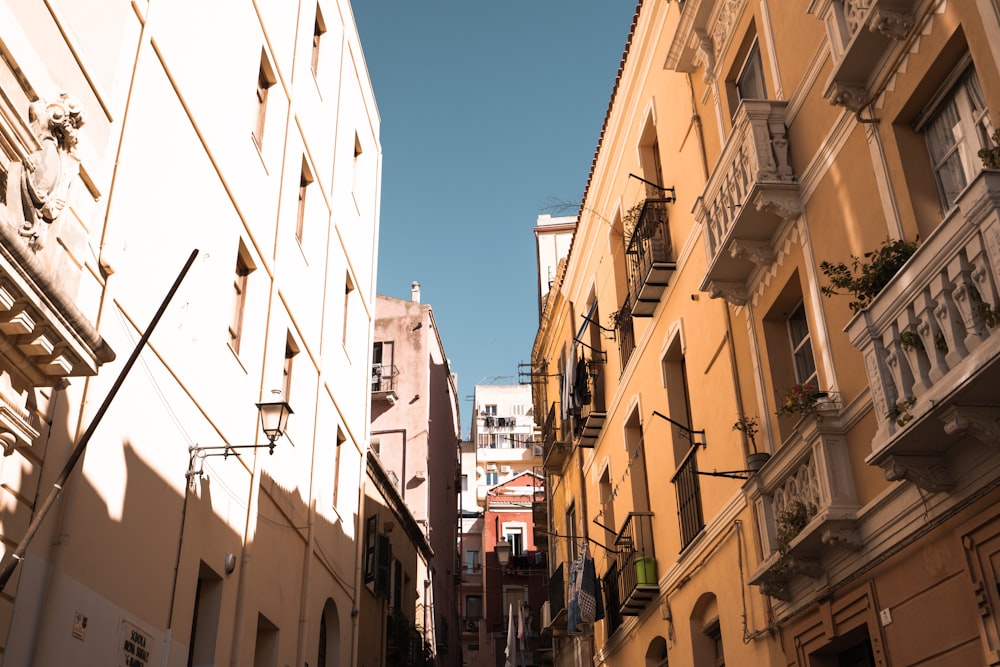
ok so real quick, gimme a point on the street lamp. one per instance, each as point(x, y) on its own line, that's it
point(273, 420)
point(502, 550)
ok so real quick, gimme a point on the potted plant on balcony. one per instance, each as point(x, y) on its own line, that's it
point(801, 399)
point(867, 275)
point(749, 427)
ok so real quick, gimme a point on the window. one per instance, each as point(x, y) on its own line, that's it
point(265, 79)
point(319, 27)
point(956, 128)
point(571, 545)
point(472, 560)
point(746, 79)
point(382, 371)
point(205, 619)
point(357, 163)
point(490, 410)
point(348, 290)
point(341, 439)
point(291, 349)
point(714, 634)
point(802, 355)
point(465, 482)
point(244, 267)
point(305, 180)
point(265, 650)
point(492, 478)
point(673, 366)
point(750, 82)
point(473, 606)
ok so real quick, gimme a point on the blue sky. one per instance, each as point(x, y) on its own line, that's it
point(490, 113)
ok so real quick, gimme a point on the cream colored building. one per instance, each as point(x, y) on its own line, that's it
point(747, 143)
point(130, 135)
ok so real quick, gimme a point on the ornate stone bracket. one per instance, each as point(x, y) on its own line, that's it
point(785, 205)
point(734, 293)
point(928, 472)
point(982, 423)
point(842, 536)
point(758, 252)
point(892, 24)
point(853, 98)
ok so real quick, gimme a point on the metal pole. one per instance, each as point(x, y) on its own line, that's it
point(57, 487)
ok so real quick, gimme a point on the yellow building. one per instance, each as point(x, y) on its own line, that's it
point(814, 475)
point(131, 134)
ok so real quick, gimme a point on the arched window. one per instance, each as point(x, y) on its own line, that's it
point(328, 653)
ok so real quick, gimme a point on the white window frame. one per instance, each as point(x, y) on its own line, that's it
point(956, 163)
point(801, 346)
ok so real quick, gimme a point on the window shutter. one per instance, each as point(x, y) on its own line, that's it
point(371, 534)
point(383, 563)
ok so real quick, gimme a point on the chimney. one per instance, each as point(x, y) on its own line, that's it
point(415, 292)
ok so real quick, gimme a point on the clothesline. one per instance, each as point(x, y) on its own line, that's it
point(577, 538)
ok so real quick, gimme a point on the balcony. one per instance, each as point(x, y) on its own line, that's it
point(931, 343)
point(557, 600)
point(384, 383)
point(749, 198)
point(555, 447)
point(805, 502)
point(863, 35)
point(635, 565)
point(590, 414)
point(648, 258)
point(526, 563)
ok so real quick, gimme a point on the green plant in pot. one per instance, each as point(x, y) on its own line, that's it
point(749, 427)
point(867, 275)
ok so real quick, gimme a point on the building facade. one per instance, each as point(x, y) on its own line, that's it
point(502, 448)
point(764, 365)
point(415, 433)
point(130, 142)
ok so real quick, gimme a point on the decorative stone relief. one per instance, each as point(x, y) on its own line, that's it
point(708, 56)
point(734, 293)
point(892, 24)
point(841, 536)
point(928, 472)
point(758, 252)
point(786, 206)
point(50, 171)
point(983, 424)
point(851, 97)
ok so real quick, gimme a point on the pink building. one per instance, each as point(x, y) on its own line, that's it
point(415, 434)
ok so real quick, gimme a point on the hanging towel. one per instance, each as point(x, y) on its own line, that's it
point(588, 588)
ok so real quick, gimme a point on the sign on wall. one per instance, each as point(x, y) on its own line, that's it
point(135, 648)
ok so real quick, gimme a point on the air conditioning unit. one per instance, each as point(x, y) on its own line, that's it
point(537, 451)
point(472, 626)
point(546, 614)
point(505, 470)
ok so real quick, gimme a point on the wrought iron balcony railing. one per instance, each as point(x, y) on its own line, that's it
point(649, 257)
point(384, 381)
point(688, 488)
point(637, 580)
point(555, 445)
point(624, 333)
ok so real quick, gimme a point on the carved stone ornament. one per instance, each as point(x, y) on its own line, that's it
point(758, 252)
point(850, 97)
point(981, 423)
point(842, 536)
point(50, 171)
point(928, 472)
point(807, 565)
point(785, 205)
point(891, 24)
point(734, 293)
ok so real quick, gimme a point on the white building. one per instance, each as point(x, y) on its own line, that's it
point(249, 132)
